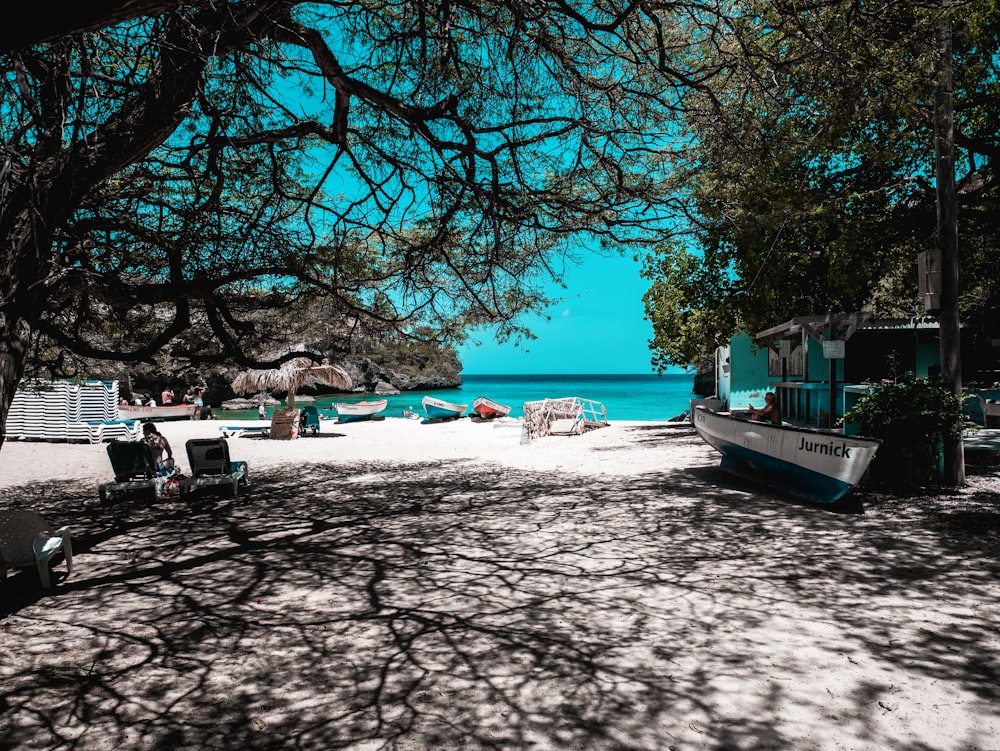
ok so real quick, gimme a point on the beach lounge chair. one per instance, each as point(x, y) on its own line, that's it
point(211, 466)
point(132, 462)
point(990, 407)
point(27, 540)
point(309, 420)
point(236, 431)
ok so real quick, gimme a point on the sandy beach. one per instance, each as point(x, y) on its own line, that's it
point(399, 585)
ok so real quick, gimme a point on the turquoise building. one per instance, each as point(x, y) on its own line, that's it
point(818, 366)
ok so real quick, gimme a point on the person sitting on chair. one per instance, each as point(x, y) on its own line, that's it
point(163, 456)
point(769, 412)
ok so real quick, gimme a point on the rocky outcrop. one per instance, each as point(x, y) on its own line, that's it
point(704, 383)
point(251, 402)
point(385, 389)
point(368, 373)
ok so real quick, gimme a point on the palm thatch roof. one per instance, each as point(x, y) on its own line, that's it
point(291, 376)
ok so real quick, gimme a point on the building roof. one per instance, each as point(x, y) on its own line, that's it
point(842, 326)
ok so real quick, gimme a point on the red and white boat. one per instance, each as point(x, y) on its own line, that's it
point(165, 412)
point(489, 409)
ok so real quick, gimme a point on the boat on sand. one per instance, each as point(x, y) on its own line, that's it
point(814, 465)
point(162, 412)
point(438, 409)
point(358, 411)
point(489, 409)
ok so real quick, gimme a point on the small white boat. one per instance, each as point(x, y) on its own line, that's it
point(438, 409)
point(489, 409)
point(358, 411)
point(163, 412)
point(817, 466)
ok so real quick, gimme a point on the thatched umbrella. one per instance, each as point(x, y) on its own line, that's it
point(291, 376)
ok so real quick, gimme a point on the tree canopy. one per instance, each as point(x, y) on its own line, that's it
point(170, 167)
point(809, 183)
point(175, 173)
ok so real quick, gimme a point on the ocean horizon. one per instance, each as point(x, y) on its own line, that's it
point(639, 396)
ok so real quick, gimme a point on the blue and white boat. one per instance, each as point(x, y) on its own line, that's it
point(818, 466)
point(438, 409)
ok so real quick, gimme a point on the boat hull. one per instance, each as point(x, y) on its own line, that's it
point(359, 411)
point(489, 409)
point(169, 412)
point(807, 464)
point(438, 409)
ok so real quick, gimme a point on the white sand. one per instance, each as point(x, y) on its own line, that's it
point(393, 438)
point(407, 586)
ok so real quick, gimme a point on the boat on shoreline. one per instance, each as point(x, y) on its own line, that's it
point(359, 411)
point(489, 409)
point(814, 465)
point(162, 412)
point(439, 409)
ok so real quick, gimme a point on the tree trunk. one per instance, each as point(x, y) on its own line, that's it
point(947, 220)
point(25, 238)
point(15, 337)
point(17, 320)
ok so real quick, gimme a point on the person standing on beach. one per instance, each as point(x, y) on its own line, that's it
point(198, 402)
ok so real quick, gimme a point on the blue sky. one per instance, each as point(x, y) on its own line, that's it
point(599, 327)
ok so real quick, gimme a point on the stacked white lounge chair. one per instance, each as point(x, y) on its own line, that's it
point(79, 411)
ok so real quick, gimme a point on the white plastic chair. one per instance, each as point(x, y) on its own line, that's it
point(990, 407)
point(26, 539)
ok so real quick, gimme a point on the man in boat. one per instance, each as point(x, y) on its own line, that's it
point(769, 412)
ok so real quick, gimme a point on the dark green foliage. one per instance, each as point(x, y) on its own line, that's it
point(808, 186)
point(912, 419)
point(182, 179)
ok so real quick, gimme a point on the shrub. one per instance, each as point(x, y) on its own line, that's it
point(911, 418)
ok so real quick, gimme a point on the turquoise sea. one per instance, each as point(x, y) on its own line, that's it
point(626, 397)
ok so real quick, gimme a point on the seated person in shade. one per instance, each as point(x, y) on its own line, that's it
point(163, 457)
point(769, 412)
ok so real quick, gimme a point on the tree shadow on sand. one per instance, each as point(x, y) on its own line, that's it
point(466, 607)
